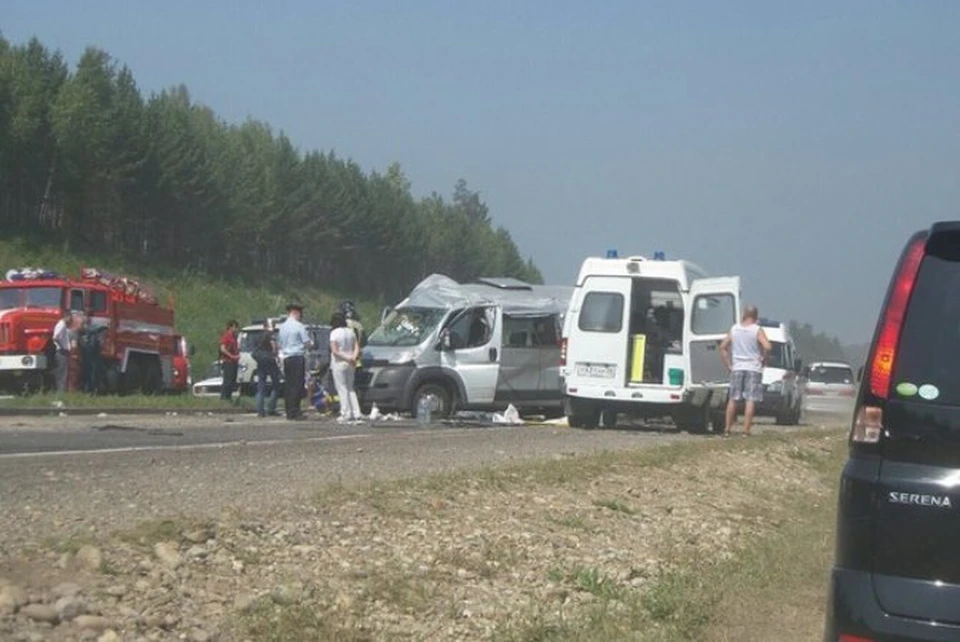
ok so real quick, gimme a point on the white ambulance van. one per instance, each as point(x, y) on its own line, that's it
point(641, 338)
point(782, 390)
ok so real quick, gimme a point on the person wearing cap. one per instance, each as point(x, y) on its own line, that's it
point(349, 311)
point(293, 341)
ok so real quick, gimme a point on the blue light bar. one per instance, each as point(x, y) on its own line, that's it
point(659, 255)
point(612, 254)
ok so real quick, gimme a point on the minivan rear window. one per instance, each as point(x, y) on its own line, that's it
point(602, 312)
point(831, 374)
point(928, 359)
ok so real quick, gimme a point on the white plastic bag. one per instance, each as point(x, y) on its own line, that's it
point(510, 416)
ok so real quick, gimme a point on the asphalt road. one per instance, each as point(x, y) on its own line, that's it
point(144, 432)
point(138, 433)
point(37, 436)
point(64, 474)
point(61, 476)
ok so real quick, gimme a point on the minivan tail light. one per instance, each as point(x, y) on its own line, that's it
point(563, 352)
point(868, 425)
point(881, 369)
point(845, 637)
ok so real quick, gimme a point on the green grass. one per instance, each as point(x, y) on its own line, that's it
point(187, 402)
point(575, 522)
point(72, 544)
point(203, 303)
point(589, 580)
point(267, 622)
point(614, 505)
point(151, 532)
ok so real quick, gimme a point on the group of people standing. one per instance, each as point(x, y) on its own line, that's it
point(76, 340)
point(288, 346)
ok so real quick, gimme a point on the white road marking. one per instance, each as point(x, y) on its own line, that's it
point(229, 444)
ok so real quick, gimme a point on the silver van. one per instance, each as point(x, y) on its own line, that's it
point(476, 346)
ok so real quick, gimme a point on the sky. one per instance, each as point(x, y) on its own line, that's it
point(796, 144)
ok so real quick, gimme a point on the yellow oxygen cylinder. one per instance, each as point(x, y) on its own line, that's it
point(638, 353)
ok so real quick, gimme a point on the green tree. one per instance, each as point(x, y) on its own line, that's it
point(86, 159)
point(31, 79)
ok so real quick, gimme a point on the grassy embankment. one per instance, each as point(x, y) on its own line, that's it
point(769, 584)
point(203, 303)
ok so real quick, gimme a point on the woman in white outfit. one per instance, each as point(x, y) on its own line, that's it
point(344, 352)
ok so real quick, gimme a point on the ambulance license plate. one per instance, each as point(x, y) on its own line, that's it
point(597, 370)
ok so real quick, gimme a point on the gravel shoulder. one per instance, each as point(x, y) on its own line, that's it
point(475, 533)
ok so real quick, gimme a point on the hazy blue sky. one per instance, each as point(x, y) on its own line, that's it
point(793, 143)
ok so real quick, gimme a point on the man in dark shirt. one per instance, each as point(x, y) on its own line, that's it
point(267, 369)
point(229, 359)
point(91, 361)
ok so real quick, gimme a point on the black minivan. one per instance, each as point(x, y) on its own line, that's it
point(896, 575)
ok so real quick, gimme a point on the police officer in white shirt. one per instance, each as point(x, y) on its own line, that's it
point(293, 341)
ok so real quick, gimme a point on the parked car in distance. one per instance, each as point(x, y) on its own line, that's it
point(782, 387)
point(211, 383)
point(317, 357)
point(896, 573)
point(830, 387)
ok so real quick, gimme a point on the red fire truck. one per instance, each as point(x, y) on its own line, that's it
point(138, 344)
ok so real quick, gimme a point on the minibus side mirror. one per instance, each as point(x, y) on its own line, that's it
point(444, 343)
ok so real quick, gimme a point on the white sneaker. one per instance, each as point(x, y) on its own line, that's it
point(343, 420)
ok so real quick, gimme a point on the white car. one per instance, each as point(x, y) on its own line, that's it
point(249, 338)
point(831, 387)
point(211, 383)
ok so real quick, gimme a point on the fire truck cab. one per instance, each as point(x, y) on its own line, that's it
point(137, 346)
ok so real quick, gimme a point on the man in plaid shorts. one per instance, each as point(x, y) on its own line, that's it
point(750, 350)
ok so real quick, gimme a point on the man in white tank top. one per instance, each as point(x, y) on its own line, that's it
point(750, 351)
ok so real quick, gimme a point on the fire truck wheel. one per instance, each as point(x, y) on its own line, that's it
point(113, 380)
point(153, 377)
point(32, 384)
point(132, 379)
